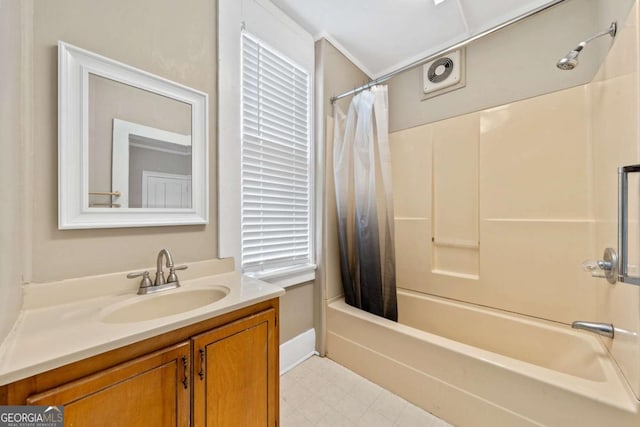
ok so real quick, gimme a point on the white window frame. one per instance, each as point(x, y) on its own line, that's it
point(277, 31)
point(298, 268)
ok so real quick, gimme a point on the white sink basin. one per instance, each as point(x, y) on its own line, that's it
point(149, 307)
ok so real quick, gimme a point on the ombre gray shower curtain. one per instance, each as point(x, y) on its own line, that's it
point(362, 173)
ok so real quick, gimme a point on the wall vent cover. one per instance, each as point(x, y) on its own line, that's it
point(443, 73)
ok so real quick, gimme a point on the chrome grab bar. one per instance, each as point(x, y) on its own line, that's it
point(623, 219)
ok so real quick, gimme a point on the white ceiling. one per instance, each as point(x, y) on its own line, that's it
point(380, 36)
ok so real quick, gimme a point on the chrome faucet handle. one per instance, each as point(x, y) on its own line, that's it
point(146, 280)
point(173, 277)
point(589, 265)
point(606, 268)
point(137, 274)
point(595, 267)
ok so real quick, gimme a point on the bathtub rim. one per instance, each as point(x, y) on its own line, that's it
point(615, 391)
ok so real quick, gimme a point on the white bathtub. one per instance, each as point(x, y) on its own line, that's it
point(475, 366)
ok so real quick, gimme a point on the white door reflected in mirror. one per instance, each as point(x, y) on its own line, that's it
point(165, 190)
point(150, 163)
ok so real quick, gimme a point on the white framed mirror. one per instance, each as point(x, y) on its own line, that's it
point(132, 146)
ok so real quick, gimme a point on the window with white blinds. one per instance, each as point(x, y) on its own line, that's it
point(276, 167)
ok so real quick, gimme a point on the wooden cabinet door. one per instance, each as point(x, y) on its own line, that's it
point(235, 382)
point(152, 390)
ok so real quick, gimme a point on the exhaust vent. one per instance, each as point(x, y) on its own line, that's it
point(443, 74)
point(440, 69)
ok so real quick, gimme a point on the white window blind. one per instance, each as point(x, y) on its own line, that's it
point(276, 184)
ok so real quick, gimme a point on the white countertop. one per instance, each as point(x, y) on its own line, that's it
point(47, 337)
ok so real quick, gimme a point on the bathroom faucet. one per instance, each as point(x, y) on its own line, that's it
point(159, 273)
point(160, 284)
point(604, 329)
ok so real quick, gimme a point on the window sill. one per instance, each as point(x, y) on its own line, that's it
point(287, 277)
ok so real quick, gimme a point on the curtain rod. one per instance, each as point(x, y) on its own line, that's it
point(447, 50)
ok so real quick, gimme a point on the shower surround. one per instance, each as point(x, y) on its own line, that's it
point(499, 208)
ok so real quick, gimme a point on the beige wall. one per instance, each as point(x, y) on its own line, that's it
point(12, 135)
point(334, 74)
point(296, 311)
point(164, 37)
point(515, 63)
point(543, 198)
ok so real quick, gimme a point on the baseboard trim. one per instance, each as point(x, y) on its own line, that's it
point(297, 350)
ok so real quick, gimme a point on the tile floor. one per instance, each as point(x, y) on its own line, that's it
point(319, 392)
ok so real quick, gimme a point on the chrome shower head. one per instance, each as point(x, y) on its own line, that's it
point(570, 60)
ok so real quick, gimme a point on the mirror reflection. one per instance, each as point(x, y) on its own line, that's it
point(140, 147)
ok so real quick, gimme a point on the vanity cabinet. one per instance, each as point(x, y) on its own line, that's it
point(222, 372)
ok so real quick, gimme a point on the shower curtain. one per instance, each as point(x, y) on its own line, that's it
point(362, 173)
